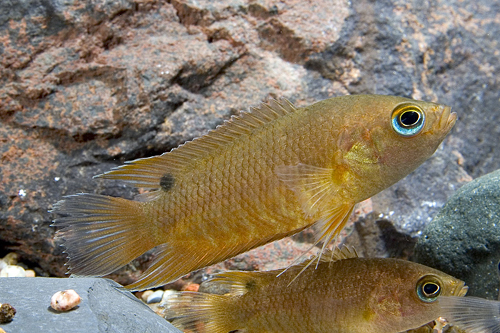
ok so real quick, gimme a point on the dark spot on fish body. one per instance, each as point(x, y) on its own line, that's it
point(167, 182)
point(250, 285)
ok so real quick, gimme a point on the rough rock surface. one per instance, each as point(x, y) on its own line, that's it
point(85, 86)
point(103, 308)
point(464, 238)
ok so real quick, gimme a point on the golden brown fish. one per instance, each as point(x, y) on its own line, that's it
point(259, 177)
point(345, 295)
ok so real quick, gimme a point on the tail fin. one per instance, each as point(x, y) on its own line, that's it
point(472, 314)
point(101, 233)
point(199, 312)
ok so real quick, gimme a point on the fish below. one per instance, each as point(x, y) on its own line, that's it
point(344, 294)
point(261, 176)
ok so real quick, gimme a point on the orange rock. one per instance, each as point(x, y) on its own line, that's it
point(191, 287)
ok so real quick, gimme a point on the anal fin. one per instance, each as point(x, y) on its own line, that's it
point(174, 260)
point(327, 228)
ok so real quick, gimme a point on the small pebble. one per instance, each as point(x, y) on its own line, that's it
point(13, 271)
point(7, 313)
point(65, 300)
point(155, 297)
point(146, 294)
point(191, 287)
point(3, 264)
point(167, 294)
point(11, 258)
point(30, 273)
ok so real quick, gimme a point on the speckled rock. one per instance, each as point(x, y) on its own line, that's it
point(85, 87)
point(464, 238)
point(103, 308)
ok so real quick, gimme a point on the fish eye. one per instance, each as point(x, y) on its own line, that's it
point(408, 119)
point(428, 289)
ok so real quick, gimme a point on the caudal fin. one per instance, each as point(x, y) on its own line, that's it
point(101, 233)
point(199, 312)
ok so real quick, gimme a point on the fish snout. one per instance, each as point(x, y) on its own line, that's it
point(460, 290)
point(447, 119)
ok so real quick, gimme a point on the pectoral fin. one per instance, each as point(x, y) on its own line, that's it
point(312, 186)
point(319, 197)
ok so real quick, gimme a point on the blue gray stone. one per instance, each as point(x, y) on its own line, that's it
point(155, 297)
point(464, 238)
point(104, 307)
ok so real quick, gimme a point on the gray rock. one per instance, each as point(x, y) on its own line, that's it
point(464, 238)
point(104, 307)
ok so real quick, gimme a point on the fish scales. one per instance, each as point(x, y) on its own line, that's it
point(248, 191)
point(262, 176)
point(350, 295)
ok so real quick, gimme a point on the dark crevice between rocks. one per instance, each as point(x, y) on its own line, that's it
point(195, 82)
point(340, 50)
point(376, 58)
point(63, 140)
point(257, 10)
point(84, 164)
point(376, 237)
point(112, 76)
point(55, 20)
point(7, 247)
point(276, 36)
point(191, 15)
point(397, 244)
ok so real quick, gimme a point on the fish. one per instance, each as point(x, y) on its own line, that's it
point(261, 176)
point(472, 314)
point(343, 294)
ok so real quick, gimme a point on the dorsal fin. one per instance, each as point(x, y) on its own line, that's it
point(239, 283)
point(147, 172)
point(326, 256)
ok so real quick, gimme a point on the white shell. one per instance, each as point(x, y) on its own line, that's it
point(30, 273)
point(65, 300)
point(13, 271)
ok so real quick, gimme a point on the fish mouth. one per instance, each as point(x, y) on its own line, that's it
point(447, 119)
point(460, 290)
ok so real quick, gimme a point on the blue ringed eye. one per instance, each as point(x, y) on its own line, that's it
point(408, 120)
point(428, 291)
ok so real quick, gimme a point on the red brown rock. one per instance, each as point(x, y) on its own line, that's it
point(87, 86)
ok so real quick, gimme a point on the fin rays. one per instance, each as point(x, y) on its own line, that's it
point(473, 314)
point(187, 309)
point(173, 261)
point(147, 172)
point(101, 233)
